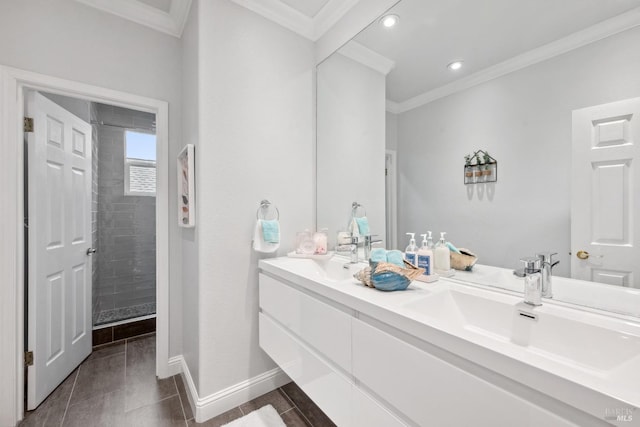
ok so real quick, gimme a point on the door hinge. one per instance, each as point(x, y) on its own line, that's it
point(28, 124)
point(28, 358)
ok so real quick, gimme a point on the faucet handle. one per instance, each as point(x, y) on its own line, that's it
point(531, 264)
point(546, 256)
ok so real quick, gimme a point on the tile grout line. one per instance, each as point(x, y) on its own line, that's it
point(124, 380)
point(66, 408)
point(296, 406)
point(175, 383)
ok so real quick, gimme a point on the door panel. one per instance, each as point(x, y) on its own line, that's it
point(605, 207)
point(59, 288)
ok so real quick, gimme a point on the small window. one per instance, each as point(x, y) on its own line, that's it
point(140, 164)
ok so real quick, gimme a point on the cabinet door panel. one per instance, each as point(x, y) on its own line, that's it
point(430, 391)
point(368, 412)
point(323, 327)
point(328, 389)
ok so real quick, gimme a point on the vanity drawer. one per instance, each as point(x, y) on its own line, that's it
point(368, 412)
point(430, 391)
point(323, 327)
point(328, 389)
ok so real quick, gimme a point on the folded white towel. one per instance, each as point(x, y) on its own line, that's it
point(259, 244)
point(354, 229)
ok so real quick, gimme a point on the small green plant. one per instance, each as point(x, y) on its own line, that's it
point(467, 160)
point(487, 160)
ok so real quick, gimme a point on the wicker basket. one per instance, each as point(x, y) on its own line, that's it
point(463, 261)
point(386, 276)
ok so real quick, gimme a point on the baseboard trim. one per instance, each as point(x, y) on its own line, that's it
point(174, 366)
point(207, 407)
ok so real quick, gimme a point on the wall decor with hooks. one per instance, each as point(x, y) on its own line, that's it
point(480, 167)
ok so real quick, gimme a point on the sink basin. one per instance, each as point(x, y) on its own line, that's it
point(552, 332)
point(335, 269)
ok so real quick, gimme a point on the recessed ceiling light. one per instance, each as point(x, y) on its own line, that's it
point(389, 21)
point(455, 65)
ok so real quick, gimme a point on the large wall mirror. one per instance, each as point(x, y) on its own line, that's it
point(395, 122)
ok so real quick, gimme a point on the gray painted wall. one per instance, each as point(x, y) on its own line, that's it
point(255, 114)
point(126, 224)
point(524, 120)
point(350, 152)
point(73, 41)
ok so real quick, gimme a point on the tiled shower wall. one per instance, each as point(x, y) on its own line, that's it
point(126, 282)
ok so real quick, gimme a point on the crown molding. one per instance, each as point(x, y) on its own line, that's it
point(392, 107)
point(367, 57)
point(180, 13)
point(282, 14)
point(330, 13)
point(296, 21)
point(576, 40)
point(171, 23)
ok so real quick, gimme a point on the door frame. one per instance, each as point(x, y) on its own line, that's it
point(14, 82)
point(393, 181)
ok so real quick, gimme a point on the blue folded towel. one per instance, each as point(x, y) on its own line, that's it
point(271, 231)
point(363, 226)
point(452, 248)
point(395, 257)
point(378, 255)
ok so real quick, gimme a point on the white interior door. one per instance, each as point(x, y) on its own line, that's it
point(605, 204)
point(391, 199)
point(59, 210)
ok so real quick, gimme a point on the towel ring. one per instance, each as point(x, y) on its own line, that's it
point(354, 210)
point(263, 210)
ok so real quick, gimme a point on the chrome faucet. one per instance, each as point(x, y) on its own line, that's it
point(354, 250)
point(546, 264)
point(368, 243)
point(351, 247)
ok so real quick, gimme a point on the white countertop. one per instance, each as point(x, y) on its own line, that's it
point(608, 377)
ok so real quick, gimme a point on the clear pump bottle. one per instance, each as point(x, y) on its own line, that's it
point(442, 255)
point(411, 252)
point(430, 240)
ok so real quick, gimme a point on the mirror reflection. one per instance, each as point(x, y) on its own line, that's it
point(550, 96)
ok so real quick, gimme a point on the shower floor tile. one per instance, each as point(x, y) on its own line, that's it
point(104, 317)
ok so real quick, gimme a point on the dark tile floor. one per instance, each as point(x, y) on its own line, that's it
point(116, 386)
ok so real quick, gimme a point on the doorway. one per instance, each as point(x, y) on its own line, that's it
point(15, 84)
point(91, 260)
point(604, 188)
point(391, 198)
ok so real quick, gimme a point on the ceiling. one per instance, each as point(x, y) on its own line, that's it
point(309, 18)
point(163, 5)
point(309, 8)
point(485, 34)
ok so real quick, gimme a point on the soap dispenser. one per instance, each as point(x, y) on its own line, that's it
point(442, 255)
point(532, 281)
point(425, 256)
point(411, 252)
point(430, 240)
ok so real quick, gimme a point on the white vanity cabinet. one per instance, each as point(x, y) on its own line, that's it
point(311, 341)
point(367, 368)
point(432, 392)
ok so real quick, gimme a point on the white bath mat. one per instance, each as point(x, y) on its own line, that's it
point(263, 417)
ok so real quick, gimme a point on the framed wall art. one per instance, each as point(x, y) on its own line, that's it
point(186, 187)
